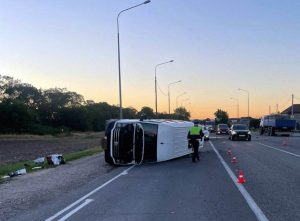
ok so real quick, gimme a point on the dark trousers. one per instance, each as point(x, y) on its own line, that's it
point(195, 144)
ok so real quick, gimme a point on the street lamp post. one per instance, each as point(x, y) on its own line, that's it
point(238, 108)
point(119, 59)
point(155, 81)
point(179, 97)
point(248, 97)
point(169, 99)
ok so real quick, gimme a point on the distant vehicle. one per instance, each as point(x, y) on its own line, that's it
point(205, 132)
point(222, 129)
point(210, 125)
point(239, 132)
point(134, 141)
point(277, 124)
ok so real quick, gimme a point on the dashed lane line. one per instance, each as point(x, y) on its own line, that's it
point(125, 172)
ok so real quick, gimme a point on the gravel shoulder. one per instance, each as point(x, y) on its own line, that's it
point(26, 192)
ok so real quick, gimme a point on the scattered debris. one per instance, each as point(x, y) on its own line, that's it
point(37, 168)
point(39, 161)
point(55, 159)
point(5, 177)
point(17, 172)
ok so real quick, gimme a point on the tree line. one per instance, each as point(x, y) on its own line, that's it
point(27, 109)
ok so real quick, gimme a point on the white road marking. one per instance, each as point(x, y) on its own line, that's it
point(86, 202)
point(293, 154)
point(89, 194)
point(252, 204)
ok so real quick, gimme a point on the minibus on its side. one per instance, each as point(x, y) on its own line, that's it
point(136, 141)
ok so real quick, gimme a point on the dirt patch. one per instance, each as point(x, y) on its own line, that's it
point(16, 148)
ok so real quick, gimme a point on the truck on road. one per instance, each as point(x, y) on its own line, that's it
point(277, 124)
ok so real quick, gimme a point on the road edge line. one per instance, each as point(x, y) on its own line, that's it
point(249, 199)
point(89, 194)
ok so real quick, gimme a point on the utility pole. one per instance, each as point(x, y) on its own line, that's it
point(119, 56)
point(156, 84)
point(292, 116)
point(269, 109)
point(277, 109)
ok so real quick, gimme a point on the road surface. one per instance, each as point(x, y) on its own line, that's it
point(182, 190)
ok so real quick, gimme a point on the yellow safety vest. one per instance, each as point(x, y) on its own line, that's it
point(195, 130)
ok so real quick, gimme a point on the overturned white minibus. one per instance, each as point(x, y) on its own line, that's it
point(136, 141)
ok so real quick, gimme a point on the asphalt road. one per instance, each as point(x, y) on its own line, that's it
point(182, 190)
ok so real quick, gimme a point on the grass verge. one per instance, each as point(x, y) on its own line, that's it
point(5, 169)
point(82, 153)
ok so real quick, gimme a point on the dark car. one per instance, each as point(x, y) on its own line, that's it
point(222, 129)
point(239, 132)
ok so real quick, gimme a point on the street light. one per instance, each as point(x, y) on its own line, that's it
point(156, 83)
point(119, 59)
point(248, 97)
point(238, 108)
point(184, 93)
point(169, 94)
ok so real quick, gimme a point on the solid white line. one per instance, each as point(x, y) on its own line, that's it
point(252, 204)
point(89, 194)
point(86, 202)
point(293, 154)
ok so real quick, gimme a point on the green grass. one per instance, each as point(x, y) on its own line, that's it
point(82, 153)
point(5, 169)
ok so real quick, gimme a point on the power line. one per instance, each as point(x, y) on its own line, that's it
point(161, 91)
point(286, 103)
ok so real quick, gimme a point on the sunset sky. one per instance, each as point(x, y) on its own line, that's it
point(218, 46)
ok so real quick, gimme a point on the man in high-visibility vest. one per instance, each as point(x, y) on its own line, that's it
point(195, 133)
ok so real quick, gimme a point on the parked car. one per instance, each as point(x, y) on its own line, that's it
point(239, 132)
point(222, 129)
